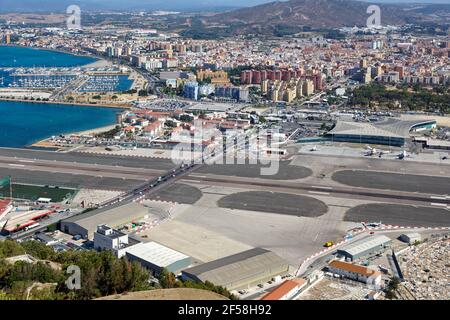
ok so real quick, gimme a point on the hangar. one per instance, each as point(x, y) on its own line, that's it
point(155, 257)
point(392, 132)
point(238, 271)
point(365, 248)
point(86, 224)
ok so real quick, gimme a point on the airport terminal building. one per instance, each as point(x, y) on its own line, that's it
point(392, 132)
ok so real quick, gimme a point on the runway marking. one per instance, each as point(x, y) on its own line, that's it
point(16, 165)
point(318, 192)
point(27, 161)
point(322, 187)
point(438, 198)
point(197, 176)
point(438, 204)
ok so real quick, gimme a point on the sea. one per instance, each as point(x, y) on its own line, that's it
point(24, 123)
point(14, 57)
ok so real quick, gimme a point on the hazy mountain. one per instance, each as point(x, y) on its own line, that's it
point(323, 14)
point(129, 5)
point(134, 5)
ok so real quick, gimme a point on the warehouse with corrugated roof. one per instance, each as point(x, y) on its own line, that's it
point(156, 257)
point(366, 247)
point(86, 224)
point(239, 271)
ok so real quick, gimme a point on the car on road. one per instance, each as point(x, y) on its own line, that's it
point(328, 244)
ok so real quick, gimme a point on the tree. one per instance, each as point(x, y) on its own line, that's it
point(38, 250)
point(10, 248)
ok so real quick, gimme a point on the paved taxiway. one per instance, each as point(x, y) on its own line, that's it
point(408, 216)
point(281, 203)
point(394, 181)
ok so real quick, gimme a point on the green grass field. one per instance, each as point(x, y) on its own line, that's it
point(30, 192)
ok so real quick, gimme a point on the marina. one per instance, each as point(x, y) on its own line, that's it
point(91, 80)
point(34, 69)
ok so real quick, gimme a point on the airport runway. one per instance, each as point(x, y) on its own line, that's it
point(368, 185)
point(411, 198)
point(394, 181)
point(409, 216)
point(88, 158)
point(78, 168)
point(68, 180)
point(82, 175)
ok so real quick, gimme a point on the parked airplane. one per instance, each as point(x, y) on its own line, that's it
point(403, 155)
point(313, 149)
point(369, 151)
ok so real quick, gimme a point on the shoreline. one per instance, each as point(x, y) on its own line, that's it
point(98, 61)
point(112, 106)
point(45, 143)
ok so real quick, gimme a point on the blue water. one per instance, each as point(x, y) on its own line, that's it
point(15, 57)
point(22, 123)
point(11, 56)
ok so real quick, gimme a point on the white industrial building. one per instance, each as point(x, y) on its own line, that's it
point(155, 257)
point(106, 238)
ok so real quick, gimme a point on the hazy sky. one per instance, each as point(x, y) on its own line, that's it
point(181, 5)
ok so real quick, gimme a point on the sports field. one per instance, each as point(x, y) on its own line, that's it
point(32, 192)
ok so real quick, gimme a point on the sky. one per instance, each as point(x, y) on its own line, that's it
point(174, 5)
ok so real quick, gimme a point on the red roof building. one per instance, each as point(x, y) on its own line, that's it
point(287, 290)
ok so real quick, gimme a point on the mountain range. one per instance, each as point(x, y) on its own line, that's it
point(42, 6)
point(326, 14)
